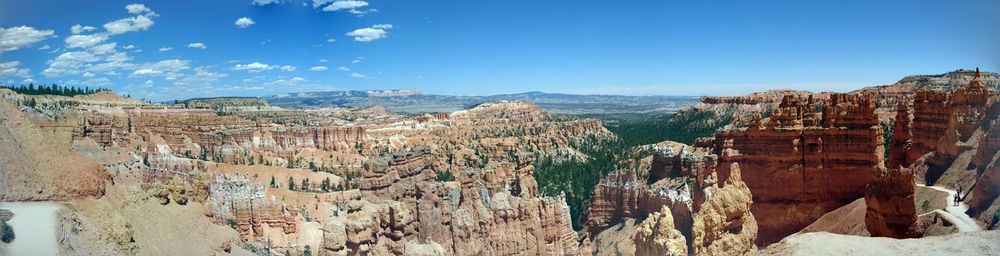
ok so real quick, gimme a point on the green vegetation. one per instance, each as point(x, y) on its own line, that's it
point(6, 232)
point(996, 218)
point(444, 176)
point(231, 223)
point(888, 128)
point(53, 89)
point(925, 206)
point(577, 178)
point(291, 183)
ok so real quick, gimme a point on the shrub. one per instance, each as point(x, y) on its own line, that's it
point(444, 176)
point(231, 223)
point(925, 206)
point(996, 218)
point(6, 232)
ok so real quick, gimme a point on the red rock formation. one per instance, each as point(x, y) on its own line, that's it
point(619, 195)
point(796, 172)
point(238, 201)
point(900, 143)
point(891, 208)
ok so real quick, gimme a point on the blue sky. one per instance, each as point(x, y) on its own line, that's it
point(154, 50)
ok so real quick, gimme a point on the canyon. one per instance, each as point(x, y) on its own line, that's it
point(136, 177)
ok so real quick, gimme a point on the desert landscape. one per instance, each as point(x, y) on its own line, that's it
point(199, 151)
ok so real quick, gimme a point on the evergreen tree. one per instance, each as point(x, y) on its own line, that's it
point(291, 183)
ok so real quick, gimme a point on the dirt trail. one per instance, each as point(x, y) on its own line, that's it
point(956, 214)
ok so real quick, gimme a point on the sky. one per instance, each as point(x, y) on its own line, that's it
point(163, 50)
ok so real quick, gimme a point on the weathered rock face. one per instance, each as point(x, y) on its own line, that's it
point(891, 208)
point(801, 164)
point(900, 143)
point(619, 195)
point(987, 159)
point(724, 224)
point(33, 166)
point(243, 204)
point(657, 236)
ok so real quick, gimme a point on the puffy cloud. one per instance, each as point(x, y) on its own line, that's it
point(69, 63)
point(201, 77)
point(265, 2)
point(104, 48)
point(253, 67)
point(121, 26)
point(370, 33)
point(170, 69)
point(14, 38)
point(343, 69)
point(101, 81)
point(243, 22)
point(165, 49)
point(76, 29)
point(84, 41)
point(138, 9)
point(317, 69)
point(288, 68)
point(129, 47)
point(358, 75)
point(10, 69)
point(198, 45)
point(331, 40)
point(344, 5)
point(352, 6)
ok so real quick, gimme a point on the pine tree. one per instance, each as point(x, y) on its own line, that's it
point(273, 185)
point(291, 183)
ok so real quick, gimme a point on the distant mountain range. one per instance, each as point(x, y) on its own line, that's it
point(409, 101)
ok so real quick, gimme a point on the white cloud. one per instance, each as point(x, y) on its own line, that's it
point(343, 69)
point(124, 25)
point(243, 22)
point(170, 69)
point(10, 69)
point(129, 47)
point(102, 81)
point(198, 45)
point(84, 41)
point(138, 9)
point(253, 67)
point(69, 63)
point(317, 69)
point(201, 77)
point(370, 33)
point(358, 75)
point(45, 47)
point(76, 29)
point(265, 2)
point(104, 48)
point(331, 40)
point(14, 38)
point(285, 82)
point(322, 60)
point(164, 49)
point(288, 68)
point(344, 5)
point(88, 74)
point(357, 60)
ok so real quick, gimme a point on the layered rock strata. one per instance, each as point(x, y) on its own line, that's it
point(724, 224)
point(801, 164)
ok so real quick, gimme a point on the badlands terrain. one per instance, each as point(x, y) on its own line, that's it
point(869, 172)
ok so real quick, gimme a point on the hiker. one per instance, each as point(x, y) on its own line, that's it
point(957, 197)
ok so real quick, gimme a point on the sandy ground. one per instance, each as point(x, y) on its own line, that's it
point(822, 243)
point(34, 226)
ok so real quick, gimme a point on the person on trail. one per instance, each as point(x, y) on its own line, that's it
point(957, 197)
